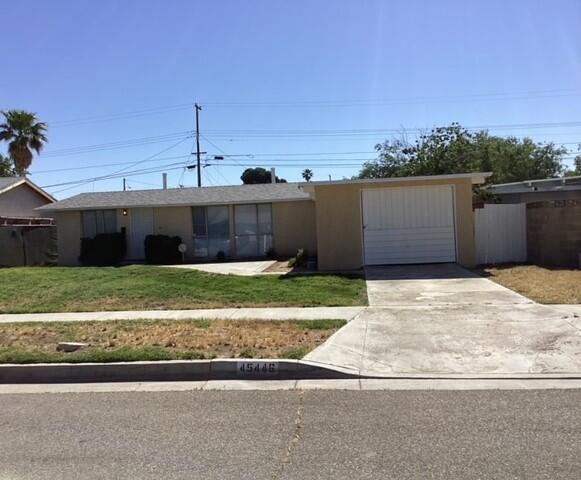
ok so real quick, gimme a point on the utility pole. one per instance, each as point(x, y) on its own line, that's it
point(124, 184)
point(198, 153)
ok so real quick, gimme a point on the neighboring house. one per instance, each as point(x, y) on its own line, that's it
point(553, 218)
point(26, 238)
point(347, 223)
point(564, 188)
point(19, 198)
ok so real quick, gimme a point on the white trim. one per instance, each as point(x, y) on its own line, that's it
point(562, 180)
point(36, 188)
point(476, 178)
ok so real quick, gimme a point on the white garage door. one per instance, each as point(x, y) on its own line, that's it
point(409, 225)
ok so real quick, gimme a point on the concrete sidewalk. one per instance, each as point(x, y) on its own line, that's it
point(290, 313)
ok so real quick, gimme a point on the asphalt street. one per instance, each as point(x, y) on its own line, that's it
point(292, 435)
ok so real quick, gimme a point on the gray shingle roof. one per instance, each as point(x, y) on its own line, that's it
point(7, 181)
point(182, 197)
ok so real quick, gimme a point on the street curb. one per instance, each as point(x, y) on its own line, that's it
point(171, 371)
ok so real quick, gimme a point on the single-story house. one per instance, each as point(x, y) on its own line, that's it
point(19, 198)
point(347, 223)
point(546, 189)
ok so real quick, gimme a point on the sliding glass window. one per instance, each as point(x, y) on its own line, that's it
point(211, 230)
point(253, 228)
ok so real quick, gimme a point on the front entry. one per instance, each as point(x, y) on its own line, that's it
point(409, 225)
point(141, 227)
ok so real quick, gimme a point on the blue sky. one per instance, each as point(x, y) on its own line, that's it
point(296, 68)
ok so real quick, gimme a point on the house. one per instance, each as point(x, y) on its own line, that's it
point(547, 189)
point(19, 198)
point(346, 223)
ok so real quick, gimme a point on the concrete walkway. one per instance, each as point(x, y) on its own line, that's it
point(442, 319)
point(231, 268)
point(311, 313)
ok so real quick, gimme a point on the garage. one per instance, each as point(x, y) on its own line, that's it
point(408, 225)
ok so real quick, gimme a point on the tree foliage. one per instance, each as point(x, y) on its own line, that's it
point(307, 174)
point(258, 175)
point(6, 167)
point(453, 149)
point(24, 134)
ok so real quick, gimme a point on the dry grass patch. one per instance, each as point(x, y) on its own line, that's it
point(132, 340)
point(543, 285)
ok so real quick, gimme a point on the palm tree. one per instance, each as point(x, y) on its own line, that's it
point(307, 174)
point(24, 133)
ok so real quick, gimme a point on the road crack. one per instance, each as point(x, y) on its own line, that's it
point(296, 437)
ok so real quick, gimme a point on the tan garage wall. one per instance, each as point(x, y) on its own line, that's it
point(69, 237)
point(294, 226)
point(338, 217)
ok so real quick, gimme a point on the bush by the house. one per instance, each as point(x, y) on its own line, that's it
point(162, 250)
point(299, 260)
point(105, 249)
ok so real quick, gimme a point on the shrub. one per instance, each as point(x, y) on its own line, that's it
point(105, 249)
point(299, 260)
point(162, 250)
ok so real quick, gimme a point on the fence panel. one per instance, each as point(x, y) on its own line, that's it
point(27, 245)
point(501, 233)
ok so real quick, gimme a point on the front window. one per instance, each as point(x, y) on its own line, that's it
point(96, 222)
point(211, 230)
point(253, 227)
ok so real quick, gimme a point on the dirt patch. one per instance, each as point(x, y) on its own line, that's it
point(543, 285)
point(179, 339)
point(283, 268)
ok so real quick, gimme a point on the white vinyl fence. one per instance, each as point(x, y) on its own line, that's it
point(501, 233)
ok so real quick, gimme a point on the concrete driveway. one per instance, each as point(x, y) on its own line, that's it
point(444, 320)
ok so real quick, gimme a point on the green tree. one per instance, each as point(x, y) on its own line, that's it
point(258, 175)
point(307, 174)
point(453, 149)
point(6, 167)
point(24, 133)
point(576, 170)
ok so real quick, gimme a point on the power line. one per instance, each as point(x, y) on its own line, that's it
point(101, 165)
point(119, 116)
point(116, 145)
point(403, 100)
point(498, 96)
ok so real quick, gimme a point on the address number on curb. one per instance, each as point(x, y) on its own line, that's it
point(257, 368)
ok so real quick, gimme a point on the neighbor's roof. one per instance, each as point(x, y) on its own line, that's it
point(9, 183)
point(542, 185)
point(476, 178)
point(174, 197)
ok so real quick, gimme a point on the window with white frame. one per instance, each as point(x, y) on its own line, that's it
point(211, 230)
point(95, 222)
point(253, 229)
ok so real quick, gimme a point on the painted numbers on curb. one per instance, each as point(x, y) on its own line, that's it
point(254, 369)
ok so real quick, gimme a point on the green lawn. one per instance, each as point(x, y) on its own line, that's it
point(139, 287)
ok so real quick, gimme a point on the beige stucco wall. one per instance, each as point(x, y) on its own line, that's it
point(338, 220)
point(69, 237)
point(294, 226)
point(21, 202)
point(175, 221)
